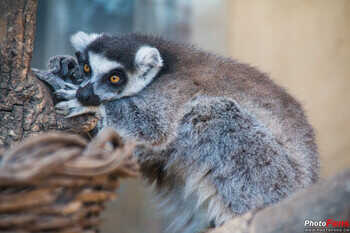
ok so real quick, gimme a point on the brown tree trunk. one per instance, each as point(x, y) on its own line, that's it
point(26, 107)
point(19, 94)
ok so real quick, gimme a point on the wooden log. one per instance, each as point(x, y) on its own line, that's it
point(328, 199)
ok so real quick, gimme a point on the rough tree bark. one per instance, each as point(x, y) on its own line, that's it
point(26, 107)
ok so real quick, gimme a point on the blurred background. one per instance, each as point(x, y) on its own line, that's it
point(304, 45)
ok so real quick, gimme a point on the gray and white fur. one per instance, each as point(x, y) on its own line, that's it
point(217, 137)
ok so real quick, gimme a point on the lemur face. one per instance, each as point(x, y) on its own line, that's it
point(114, 67)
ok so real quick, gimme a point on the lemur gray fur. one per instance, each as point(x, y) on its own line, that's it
point(217, 137)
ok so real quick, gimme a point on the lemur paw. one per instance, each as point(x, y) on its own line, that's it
point(66, 94)
point(67, 68)
point(73, 108)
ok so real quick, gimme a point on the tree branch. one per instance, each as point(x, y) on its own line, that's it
point(326, 200)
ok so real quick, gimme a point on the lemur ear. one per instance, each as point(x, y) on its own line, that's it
point(148, 58)
point(81, 40)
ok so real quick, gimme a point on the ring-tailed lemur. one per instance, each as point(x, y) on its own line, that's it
point(218, 137)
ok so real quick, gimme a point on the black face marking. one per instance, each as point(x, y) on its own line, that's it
point(117, 72)
point(123, 48)
point(87, 97)
point(83, 61)
point(105, 84)
point(119, 49)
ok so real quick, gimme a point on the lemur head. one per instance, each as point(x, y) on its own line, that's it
point(114, 67)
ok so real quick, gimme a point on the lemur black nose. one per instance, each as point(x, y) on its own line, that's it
point(87, 97)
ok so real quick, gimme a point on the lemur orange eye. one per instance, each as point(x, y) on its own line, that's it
point(114, 79)
point(86, 68)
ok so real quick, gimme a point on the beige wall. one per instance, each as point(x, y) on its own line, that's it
point(210, 25)
point(305, 46)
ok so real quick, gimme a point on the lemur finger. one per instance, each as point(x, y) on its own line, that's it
point(68, 65)
point(64, 67)
point(72, 108)
point(53, 80)
point(65, 94)
point(55, 64)
point(64, 107)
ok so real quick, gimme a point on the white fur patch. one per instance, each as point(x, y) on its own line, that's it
point(148, 56)
point(101, 65)
point(81, 40)
point(135, 85)
point(148, 63)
